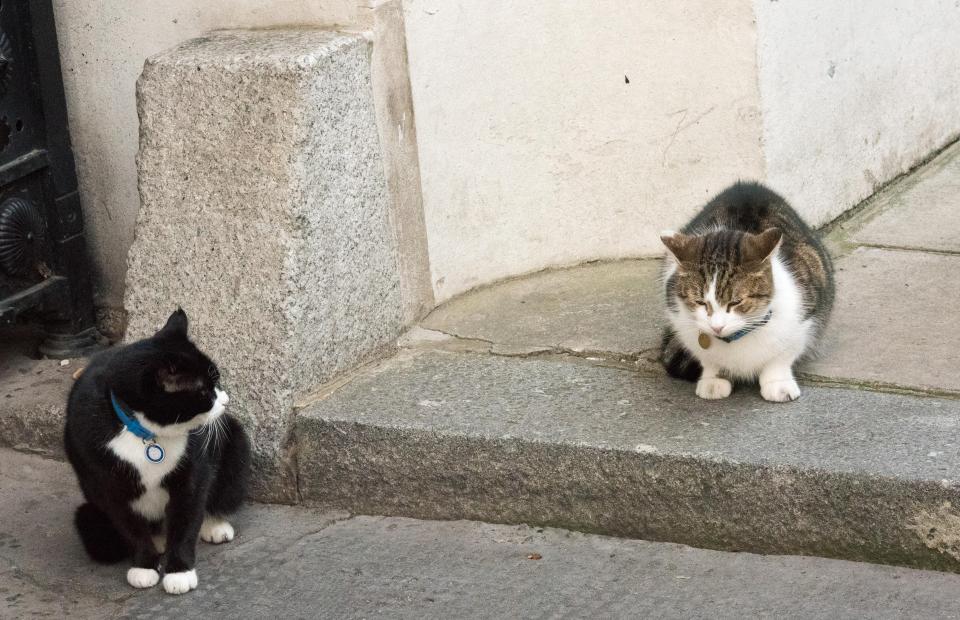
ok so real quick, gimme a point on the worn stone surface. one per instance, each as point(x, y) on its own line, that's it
point(33, 397)
point(295, 563)
point(440, 435)
point(264, 214)
point(604, 307)
point(893, 321)
point(921, 212)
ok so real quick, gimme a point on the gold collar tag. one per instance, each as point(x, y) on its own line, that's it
point(704, 341)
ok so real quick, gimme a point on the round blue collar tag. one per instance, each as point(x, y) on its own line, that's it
point(154, 453)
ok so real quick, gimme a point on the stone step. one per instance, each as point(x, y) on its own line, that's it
point(563, 441)
point(33, 399)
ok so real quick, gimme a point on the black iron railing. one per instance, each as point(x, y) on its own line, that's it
point(44, 270)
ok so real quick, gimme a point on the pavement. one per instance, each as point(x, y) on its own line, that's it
point(293, 562)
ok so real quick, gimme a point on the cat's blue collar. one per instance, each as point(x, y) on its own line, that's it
point(132, 424)
point(748, 329)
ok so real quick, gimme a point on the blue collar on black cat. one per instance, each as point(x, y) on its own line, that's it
point(746, 330)
point(129, 421)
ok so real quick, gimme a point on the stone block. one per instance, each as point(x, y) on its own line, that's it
point(265, 216)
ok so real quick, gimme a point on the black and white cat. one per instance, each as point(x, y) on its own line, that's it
point(158, 460)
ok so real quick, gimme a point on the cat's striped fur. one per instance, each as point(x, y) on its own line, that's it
point(746, 264)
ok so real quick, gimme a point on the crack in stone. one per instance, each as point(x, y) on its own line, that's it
point(530, 351)
point(876, 386)
point(908, 248)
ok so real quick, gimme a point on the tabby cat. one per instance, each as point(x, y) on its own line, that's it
point(749, 288)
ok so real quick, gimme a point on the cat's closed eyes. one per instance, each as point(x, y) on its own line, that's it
point(749, 288)
point(159, 462)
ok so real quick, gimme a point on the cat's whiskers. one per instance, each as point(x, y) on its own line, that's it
point(205, 429)
point(221, 431)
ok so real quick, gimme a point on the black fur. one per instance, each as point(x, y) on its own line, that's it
point(678, 362)
point(100, 539)
point(169, 381)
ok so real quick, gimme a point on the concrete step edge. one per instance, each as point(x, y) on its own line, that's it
point(689, 499)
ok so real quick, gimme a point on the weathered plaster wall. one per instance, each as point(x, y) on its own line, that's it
point(854, 93)
point(534, 149)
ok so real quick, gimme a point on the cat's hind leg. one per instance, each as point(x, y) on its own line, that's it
point(229, 488)
point(102, 541)
point(777, 383)
point(216, 530)
point(677, 360)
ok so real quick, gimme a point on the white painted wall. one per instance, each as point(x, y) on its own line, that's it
point(534, 152)
point(854, 93)
point(102, 48)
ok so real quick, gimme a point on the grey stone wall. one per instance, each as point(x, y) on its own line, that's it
point(265, 216)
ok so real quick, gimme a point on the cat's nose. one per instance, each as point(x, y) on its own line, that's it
point(717, 330)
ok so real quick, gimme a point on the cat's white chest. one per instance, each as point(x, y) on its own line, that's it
point(129, 448)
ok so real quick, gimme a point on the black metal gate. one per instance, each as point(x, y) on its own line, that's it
point(44, 274)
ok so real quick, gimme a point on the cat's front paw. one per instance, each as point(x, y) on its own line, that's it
point(780, 391)
point(142, 577)
point(216, 531)
point(180, 583)
point(713, 389)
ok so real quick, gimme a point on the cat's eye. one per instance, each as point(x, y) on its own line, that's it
point(700, 302)
point(735, 302)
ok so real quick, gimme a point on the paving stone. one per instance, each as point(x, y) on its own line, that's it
point(295, 563)
point(921, 212)
point(604, 307)
point(43, 562)
point(894, 321)
point(450, 436)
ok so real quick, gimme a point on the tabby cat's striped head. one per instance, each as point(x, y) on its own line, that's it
point(722, 280)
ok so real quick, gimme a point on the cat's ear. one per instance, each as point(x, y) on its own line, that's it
point(176, 326)
point(682, 247)
point(758, 248)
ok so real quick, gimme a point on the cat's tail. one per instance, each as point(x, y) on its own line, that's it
point(104, 544)
point(677, 359)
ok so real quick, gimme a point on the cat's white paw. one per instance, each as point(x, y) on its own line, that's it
point(142, 577)
point(780, 391)
point(713, 389)
point(216, 531)
point(179, 583)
